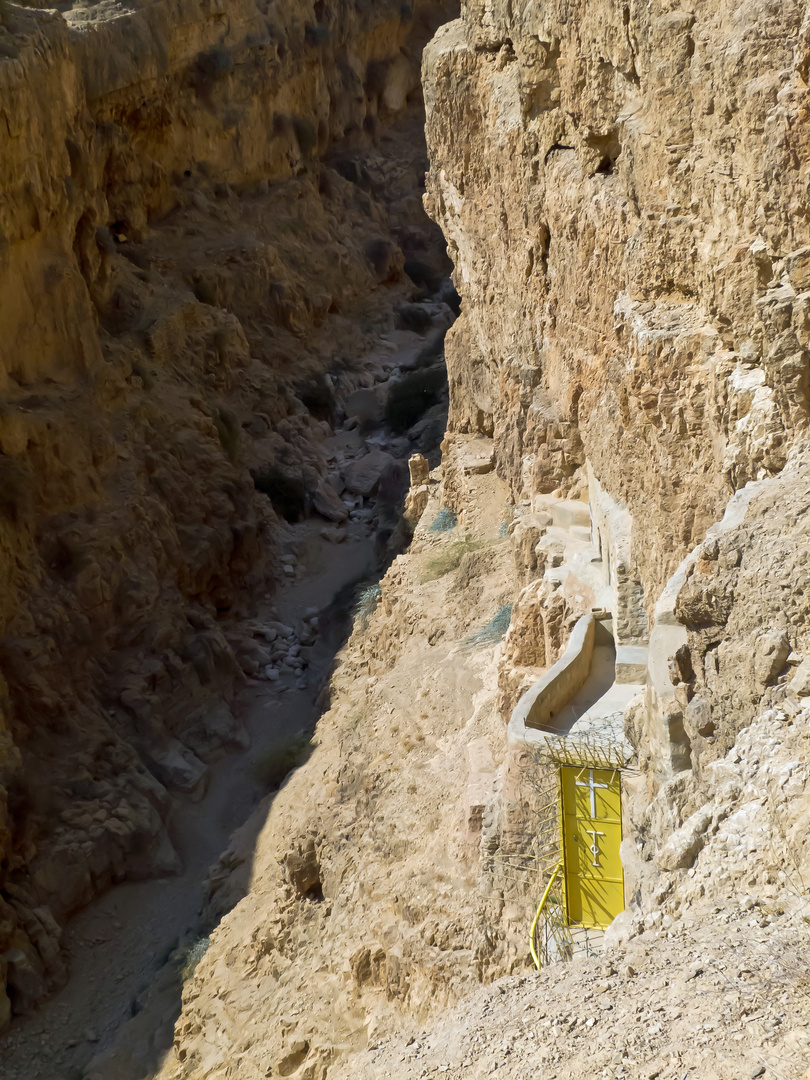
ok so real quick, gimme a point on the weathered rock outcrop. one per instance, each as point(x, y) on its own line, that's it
point(165, 213)
point(622, 188)
point(632, 271)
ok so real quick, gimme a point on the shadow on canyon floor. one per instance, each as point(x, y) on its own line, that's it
point(132, 949)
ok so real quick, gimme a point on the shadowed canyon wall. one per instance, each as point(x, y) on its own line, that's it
point(176, 267)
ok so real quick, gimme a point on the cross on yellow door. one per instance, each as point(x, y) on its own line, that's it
point(592, 833)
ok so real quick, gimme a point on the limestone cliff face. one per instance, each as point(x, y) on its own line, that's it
point(622, 190)
point(175, 264)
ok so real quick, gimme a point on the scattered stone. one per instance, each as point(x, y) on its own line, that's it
point(334, 536)
point(363, 476)
point(328, 503)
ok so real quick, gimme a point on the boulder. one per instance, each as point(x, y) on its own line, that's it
point(179, 768)
point(416, 503)
point(685, 844)
point(771, 651)
point(334, 535)
point(800, 683)
point(328, 503)
point(419, 469)
point(363, 476)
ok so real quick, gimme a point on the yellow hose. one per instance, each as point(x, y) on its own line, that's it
point(542, 904)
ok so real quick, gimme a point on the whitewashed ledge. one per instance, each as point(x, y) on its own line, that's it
point(538, 717)
point(532, 716)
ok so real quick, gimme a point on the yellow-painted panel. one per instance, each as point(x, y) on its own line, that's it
point(592, 834)
point(594, 903)
point(592, 793)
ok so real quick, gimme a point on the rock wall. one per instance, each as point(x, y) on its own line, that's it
point(189, 240)
point(621, 187)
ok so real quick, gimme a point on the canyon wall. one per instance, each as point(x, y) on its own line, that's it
point(623, 188)
point(632, 269)
point(188, 242)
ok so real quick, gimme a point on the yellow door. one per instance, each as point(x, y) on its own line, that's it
point(592, 833)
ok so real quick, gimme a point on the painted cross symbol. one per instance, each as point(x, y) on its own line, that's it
point(593, 785)
point(594, 847)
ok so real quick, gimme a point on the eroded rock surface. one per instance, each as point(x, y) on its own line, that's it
point(202, 235)
point(622, 191)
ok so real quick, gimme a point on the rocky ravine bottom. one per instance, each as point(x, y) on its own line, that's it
point(119, 945)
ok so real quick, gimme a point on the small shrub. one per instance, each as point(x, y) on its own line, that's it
point(409, 398)
point(278, 761)
point(508, 518)
point(450, 558)
point(287, 494)
point(189, 956)
point(494, 630)
point(366, 604)
point(355, 720)
point(445, 520)
point(228, 430)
